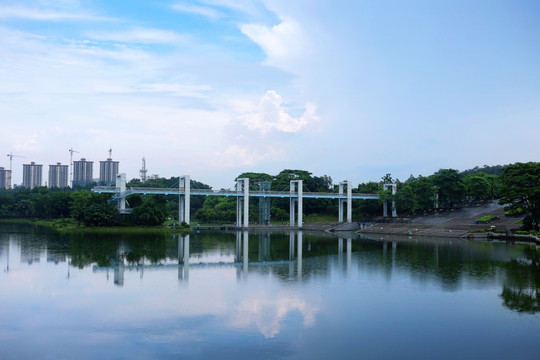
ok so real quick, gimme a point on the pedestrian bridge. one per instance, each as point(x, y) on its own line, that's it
point(242, 193)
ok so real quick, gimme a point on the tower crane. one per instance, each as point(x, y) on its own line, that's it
point(11, 156)
point(71, 151)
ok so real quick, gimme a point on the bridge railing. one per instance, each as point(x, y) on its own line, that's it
point(208, 192)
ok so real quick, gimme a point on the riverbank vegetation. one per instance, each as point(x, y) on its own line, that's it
point(517, 185)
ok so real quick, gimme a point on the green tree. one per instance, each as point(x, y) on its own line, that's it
point(450, 186)
point(80, 200)
point(152, 211)
point(521, 189)
point(477, 186)
point(217, 209)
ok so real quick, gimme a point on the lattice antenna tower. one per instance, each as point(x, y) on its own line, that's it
point(142, 172)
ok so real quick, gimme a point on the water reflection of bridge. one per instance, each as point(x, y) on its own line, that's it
point(241, 262)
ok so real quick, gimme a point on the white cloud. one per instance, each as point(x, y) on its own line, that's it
point(283, 43)
point(269, 114)
point(41, 14)
point(141, 35)
point(267, 313)
point(243, 6)
point(196, 9)
point(235, 156)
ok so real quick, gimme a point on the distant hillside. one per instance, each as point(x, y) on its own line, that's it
point(494, 170)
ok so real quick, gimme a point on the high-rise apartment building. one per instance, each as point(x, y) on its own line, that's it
point(5, 178)
point(107, 171)
point(58, 175)
point(32, 175)
point(82, 172)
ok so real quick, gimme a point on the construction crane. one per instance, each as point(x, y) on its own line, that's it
point(71, 151)
point(11, 156)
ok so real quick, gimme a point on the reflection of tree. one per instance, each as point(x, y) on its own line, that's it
point(521, 300)
point(521, 291)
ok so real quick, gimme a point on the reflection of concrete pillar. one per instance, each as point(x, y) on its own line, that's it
point(299, 254)
point(186, 257)
point(246, 251)
point(237, 250)
point(180, 250)
point(340, 252)
point(291, 246)
point(349, 253)
point(394, 250)
point(291, 255)
point(119, 274)
point(264, 247)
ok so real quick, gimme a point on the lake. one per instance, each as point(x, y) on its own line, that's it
point(261, 295)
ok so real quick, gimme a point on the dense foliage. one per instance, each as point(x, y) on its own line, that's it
point(519, 187)
point(521, 190)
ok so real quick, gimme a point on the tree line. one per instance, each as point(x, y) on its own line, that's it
point(517, 185)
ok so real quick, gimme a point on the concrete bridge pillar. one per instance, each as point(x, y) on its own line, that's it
point(296, 189)
point(185, 199)
point(347, 201)
point(385, 205)
point(242, 186)
point(121, 190)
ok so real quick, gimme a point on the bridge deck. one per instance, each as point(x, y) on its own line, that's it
point(210, 192)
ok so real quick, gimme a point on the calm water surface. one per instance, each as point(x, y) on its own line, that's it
point(274, 296)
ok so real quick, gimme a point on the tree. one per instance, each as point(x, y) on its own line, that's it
point(521, 189)
point(152, 211)
point(450, 186)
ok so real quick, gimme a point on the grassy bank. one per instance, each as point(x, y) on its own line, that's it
point(69, 226)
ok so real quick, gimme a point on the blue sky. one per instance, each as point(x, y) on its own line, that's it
point(214, 88)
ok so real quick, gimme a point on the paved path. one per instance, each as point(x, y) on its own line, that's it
point(449, 223)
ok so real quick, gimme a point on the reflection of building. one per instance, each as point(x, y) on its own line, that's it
point(5, 178)
point(32, 175)
point(82, 172)
point(58, 175)
point(107, 171)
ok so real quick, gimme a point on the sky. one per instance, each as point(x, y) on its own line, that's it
point(215, 88)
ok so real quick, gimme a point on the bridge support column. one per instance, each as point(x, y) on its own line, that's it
point(121, 190)
point(347, 201)
point(184, 200)
point(242, 185)
point(296, 187)
point(385, 205)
